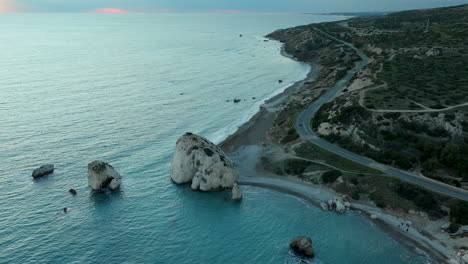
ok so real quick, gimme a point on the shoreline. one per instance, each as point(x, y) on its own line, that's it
point(267, 109)
point(253, 132)
point(315, 195)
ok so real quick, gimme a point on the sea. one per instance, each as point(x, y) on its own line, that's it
point(122, 88)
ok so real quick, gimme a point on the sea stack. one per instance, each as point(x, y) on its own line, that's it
point(43, 171)
point(203, 164)
point(302, 246)
point(102, 175)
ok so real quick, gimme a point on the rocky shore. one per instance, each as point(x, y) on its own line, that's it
point(252, 140)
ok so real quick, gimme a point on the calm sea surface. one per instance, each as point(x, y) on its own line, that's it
point(123, 88)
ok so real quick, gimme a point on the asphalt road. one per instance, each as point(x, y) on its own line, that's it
point(305, 131)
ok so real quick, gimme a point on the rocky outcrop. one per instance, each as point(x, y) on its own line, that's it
point(236, 192)
point(338, 205)
point(202, 163)
point(325, 206)
point(43, 171)
point(102, 175)
point(302, 246)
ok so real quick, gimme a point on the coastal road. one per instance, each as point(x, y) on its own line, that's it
point(303, 126)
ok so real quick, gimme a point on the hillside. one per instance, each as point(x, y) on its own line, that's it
point(409, 107)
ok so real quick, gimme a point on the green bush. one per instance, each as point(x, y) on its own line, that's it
point(331, 176)
point(459, 213)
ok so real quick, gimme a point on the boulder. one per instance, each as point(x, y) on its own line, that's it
point(43, 171)
point(324, 206)
point(347, 205)
point(340, 208)
point(338, 205)
point(302, 246)
point(236, 192)
point(102, 175)
point(374, 217)
point(203, 164)
point(465, 258)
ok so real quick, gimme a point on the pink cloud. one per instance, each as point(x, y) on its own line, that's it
point(108, 10)
point(11, 6)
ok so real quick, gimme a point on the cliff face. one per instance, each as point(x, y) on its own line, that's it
point(203, 164)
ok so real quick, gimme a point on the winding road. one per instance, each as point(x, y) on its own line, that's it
point(305, 131)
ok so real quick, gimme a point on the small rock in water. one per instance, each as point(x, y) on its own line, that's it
point(236, 192)
point(253, 98)
point(102, 175)
point(65, 210)
point(237, 100)
point(302, 246)
point(43, 171)
point(240, 36)
point(280, 81)
point(72, 191)
point(324, 206)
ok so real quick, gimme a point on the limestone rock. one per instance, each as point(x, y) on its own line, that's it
point(374, 217)
point(43, 171)
point(202, 163)
point(324, 206)
point(465, 258)
point(102, 175)
point(302, 246)
point(338, 205)
point(236, 192)
point(340, 208)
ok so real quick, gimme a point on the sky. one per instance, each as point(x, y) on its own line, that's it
point(121, 6)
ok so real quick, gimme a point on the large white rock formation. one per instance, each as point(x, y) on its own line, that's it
point(202, 163)
point(102, 175)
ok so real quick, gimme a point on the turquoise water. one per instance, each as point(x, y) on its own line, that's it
point(123, 88)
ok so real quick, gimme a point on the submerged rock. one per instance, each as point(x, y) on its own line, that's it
point(72, 191)
point(236, 192)
point(302, 246)
point(202, 163)
point(43, 171)
point(102, 175)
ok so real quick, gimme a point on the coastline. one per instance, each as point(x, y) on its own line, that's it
point(265, 115)
point(253, 133)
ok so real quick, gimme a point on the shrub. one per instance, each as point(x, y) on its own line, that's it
point(296, 166)
point(331, 176)
point(459, 213)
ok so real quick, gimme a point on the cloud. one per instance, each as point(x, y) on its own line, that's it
point(108, 10)
point(11, 6)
